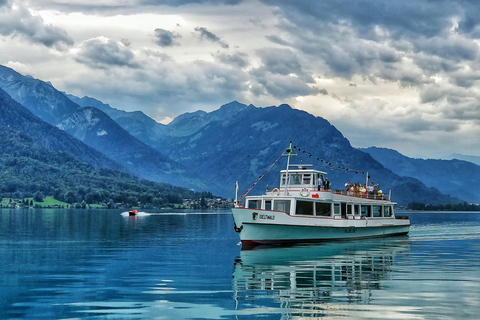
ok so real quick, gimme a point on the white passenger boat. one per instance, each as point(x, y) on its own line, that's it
point(300, 211)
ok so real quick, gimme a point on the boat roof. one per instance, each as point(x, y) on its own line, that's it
point(301, 168)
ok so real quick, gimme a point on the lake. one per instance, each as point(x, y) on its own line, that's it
point(102, 264)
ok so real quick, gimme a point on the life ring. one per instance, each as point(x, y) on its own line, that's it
point(305, 192)
point(276, 192)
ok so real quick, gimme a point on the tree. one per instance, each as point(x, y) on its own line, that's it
point(69, 197)
point(38, 196)
point(111, 204)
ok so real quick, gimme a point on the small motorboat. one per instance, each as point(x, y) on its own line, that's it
point(132, 212)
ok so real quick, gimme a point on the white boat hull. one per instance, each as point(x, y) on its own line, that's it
point(266, 227)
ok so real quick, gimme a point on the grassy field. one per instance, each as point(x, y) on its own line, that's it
point(49, 201)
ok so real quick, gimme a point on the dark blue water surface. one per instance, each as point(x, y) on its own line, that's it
point(62, 264)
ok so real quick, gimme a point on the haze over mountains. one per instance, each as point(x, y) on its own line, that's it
point(209, 151)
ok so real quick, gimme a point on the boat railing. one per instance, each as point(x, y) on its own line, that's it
point(367, 195)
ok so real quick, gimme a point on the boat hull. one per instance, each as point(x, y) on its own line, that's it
point(269, 227)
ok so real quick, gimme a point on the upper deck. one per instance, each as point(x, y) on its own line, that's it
point(311, 183)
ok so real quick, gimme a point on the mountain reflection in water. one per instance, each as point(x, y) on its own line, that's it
point(305, 280)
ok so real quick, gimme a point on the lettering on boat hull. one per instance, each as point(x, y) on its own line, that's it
point(262, 216)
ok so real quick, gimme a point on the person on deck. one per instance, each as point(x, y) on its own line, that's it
point(347, 185)
point(326, 184)
point(370, 189)
point(319, 183)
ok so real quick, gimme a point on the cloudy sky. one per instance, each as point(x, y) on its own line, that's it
point(396, 74)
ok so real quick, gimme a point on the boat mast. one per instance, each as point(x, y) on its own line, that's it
point(236, 194)
point(287, 177)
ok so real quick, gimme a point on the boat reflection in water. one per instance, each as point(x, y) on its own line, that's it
point(309, 281)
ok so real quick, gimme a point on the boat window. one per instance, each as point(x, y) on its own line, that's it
point(307, 179)
point(295, 179)
point(268, 204)
point(282, 183)
point(344, 209)
point(254, 204)
point(349, 209)
point(356, 209)
point(336, 208)
point(365, 211)
point(282, 205)
point(323, 209)
point(304, 208)
point(377, 211)
point(387, 212)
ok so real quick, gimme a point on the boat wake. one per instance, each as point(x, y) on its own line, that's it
point(138, 214)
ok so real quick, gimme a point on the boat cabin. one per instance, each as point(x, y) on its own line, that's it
point(301, 178)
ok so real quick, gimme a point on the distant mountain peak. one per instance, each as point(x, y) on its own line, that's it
point(284, 105)
point(40, 97)
point(463, 157)
point(230, 109)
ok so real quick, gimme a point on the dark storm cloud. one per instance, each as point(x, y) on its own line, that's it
point(456, 49)
point(402, 18)
point(177, 3)
point(205, 34)
point(103, 53)
point(284, 62)
point(280, 86)
point(237, 59)
point(432, 65)
point(121, 7)
point(281, 75)
point(17, 21)
point(354, 36)
point(165, 38)
point(433, 94)
point(276, 39)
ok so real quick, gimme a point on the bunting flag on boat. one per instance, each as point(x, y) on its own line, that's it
point(331, 165)
point(289, 152)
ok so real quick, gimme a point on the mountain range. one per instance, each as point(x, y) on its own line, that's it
point(36, 157)
point(455, 177)
point(95, 129)
point(457, 156)
point(209, 151)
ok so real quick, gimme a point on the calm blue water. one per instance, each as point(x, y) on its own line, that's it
point(60, 264)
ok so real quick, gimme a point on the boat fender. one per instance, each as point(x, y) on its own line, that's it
point(276, 192)
point(305, 192)
point(237, 230)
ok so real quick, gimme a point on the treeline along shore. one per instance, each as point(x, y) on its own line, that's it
point(51, 178)
point(444, 207)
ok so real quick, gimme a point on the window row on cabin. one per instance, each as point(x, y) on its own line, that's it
point(321, 209)
point(301, 179)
